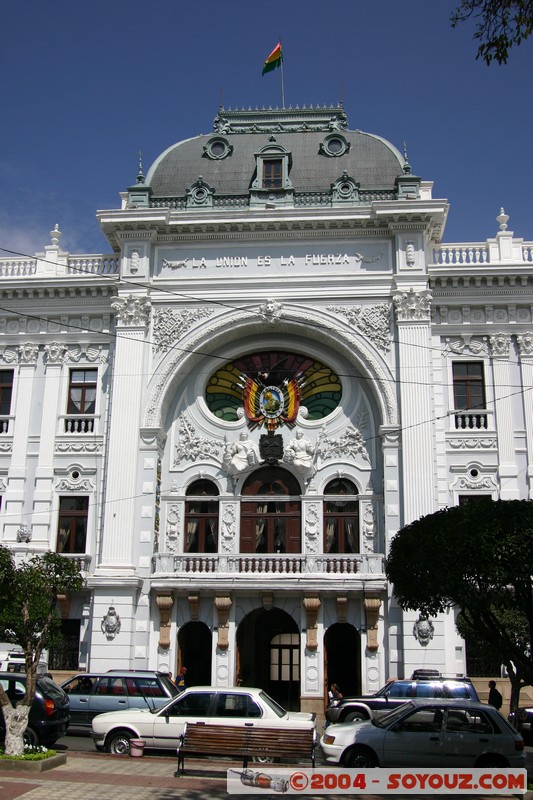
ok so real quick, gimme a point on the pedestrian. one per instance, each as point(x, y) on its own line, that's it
point(180, 679)
point(495, 698)
point(334, 693)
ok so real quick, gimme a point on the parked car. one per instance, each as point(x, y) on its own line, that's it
point(162, 728)
point(523, 722)
point(94, 693)
point(427, 733)
point(49, 713)
point(394, 694)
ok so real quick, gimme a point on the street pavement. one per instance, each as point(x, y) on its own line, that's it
point(99, 776)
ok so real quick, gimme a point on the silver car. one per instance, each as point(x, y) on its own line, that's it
point(93, 693)
point(427, 733)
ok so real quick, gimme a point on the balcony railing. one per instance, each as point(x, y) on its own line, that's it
point(79, 424)
point(6, 425)
point(250, 564)
point(470, 420)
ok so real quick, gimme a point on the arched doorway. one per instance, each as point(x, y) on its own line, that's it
point(194, 647)
point(268, 652)
point(342, 645)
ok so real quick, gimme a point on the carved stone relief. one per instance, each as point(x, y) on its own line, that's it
point(170, 326)
point(372, 321)
point(192, 447)
point(228, 527)
point(369, 528)
point(349, 444)
point(466, 345)
point(132, 311)
point(312, 517)
point(173, 528)
point(525, 344)
point(500, 344)
point(412, 306)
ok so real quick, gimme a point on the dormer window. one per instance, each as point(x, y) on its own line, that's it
point(272, 173)
point(271, 183)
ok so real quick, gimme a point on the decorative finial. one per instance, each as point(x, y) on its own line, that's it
point(140, 174)
point(406, 164)
point(502, 219)
point(55, 235)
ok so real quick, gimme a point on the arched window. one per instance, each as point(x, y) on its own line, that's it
point(341, 517)
point(201, 518)
point(270, 523)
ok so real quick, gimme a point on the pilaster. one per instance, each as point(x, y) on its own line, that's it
point(417, 427)
point(121, 485)
point(503, 412)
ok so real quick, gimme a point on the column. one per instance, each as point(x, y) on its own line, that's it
point(122, 488)
point(503, 414)
point(15, 513)
point(55, 358)
point(525, 349)
point(415, 384)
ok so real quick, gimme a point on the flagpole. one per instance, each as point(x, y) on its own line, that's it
point(282, 79)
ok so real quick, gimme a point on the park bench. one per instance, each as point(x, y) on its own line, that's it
point(246, 742)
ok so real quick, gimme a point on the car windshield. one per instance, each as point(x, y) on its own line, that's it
point(392, 716)
point(276, 708)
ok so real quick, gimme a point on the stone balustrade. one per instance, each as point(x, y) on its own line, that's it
point(255, 565)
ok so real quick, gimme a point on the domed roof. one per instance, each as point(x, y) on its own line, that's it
point(315, 144)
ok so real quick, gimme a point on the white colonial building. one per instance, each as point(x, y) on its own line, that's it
point(228, 418)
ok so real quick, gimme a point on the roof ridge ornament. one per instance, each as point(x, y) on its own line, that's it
point(286, 120)
point(406, 164)
point(502, 219)
point(140, 173)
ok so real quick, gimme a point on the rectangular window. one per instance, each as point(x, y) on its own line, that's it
point(468, 385)
point(6, 391)
point(469, 395)
point(72, 525)
point(272, 173)
point(81, 400)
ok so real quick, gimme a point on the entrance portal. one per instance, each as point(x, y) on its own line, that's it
point(194, 645)
point(268, 647)
point(342, 644)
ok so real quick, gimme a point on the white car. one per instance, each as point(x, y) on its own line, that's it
point(162, 727)
point(427, 733)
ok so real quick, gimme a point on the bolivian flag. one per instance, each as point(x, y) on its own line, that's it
point(274, 60)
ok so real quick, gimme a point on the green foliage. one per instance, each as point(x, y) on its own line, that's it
point(501, 25)
point(28, 595)
point(30, 754)
point(479, 558)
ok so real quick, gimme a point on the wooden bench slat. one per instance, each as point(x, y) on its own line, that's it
point(246, 742)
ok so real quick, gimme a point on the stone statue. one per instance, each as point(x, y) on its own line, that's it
point(241, 455)
point(300, 453)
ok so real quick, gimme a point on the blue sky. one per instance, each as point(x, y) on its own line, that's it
point(85, 85)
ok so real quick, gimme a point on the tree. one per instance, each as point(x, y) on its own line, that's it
point(502, 24)
point(477, 557)
point(28, 613)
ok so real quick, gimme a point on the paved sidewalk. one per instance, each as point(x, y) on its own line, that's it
point(97, 776)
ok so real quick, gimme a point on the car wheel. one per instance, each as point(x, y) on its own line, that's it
point(264, 759)
point(491, 760)
point(118, 742)
point(30, 738)
point(354, 715)
point(360, 758)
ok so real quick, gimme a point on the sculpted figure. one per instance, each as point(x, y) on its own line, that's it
point(241, 454)
point(300, 452)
